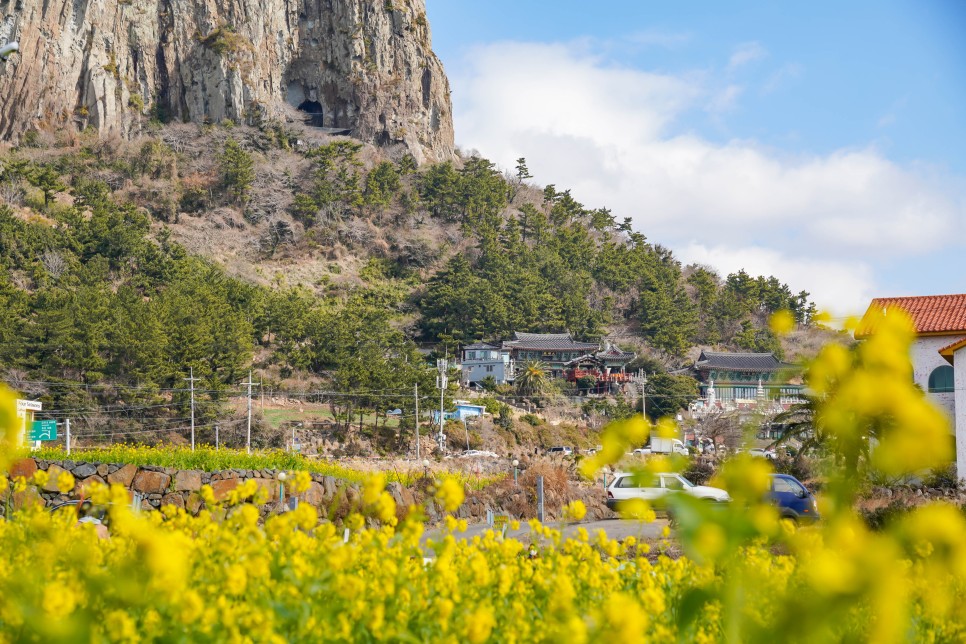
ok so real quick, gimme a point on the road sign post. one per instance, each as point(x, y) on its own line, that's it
point(43, 430)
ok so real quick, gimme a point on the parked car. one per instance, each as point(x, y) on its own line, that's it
point(627, 485)
point(641, 451)
point(478, 453)
point(763, 453)
point(793, 499)
point(560, 451)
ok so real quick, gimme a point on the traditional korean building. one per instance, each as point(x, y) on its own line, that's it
point(554, 350)
point(744, 380)
point(606, 369)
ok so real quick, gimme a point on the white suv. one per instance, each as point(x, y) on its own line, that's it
point(627, 485)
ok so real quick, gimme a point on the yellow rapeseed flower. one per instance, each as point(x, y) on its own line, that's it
point(782, 322)
point(575, 510)
point(450, 494)
point(65, 482)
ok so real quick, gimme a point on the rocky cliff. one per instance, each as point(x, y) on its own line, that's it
point(359, 65)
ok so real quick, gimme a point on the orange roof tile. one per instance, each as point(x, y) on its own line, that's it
point(948, 350)
point(937, 314)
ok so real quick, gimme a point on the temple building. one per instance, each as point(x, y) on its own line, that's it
point(745, 380)
point(561, 355)
point(554, 350)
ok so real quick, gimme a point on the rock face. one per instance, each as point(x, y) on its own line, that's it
point(359, 65)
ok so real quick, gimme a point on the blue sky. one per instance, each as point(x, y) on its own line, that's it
point(822, 142)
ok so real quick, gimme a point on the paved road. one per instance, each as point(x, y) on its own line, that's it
point(614, 529)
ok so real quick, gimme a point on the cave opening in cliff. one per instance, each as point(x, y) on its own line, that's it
point(314, 110)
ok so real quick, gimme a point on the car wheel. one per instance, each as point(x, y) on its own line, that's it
point(789, 522)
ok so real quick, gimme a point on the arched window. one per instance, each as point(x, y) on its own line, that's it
point(941, 380)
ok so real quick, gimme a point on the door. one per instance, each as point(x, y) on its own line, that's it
point(633, 487)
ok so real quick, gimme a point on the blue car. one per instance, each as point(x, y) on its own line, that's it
point(793, 499)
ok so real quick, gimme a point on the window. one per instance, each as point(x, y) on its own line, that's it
point(787, 485)
point(471, 355)
point(636, 482)
point(489, 368)
point(941, 380)
point(672, 483)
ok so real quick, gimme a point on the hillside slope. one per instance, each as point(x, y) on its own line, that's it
point(319, 261)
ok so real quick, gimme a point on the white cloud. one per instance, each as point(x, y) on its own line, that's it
point(725, 100)
point(613, 135)
point(780, 76)
point(846, 286)
point(746, 53)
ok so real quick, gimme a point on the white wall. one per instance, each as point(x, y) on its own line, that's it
point(475, 372)
point(925, 358)
point(959, 384)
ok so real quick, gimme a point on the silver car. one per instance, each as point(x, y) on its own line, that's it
point(654, 489)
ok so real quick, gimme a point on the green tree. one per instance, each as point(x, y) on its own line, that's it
point(48, 180)
point(532, 380)
point(668, 318)
point(667, 393)
point(382, 185)
point(237, 169)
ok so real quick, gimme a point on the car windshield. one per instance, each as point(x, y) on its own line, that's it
point(686, 482)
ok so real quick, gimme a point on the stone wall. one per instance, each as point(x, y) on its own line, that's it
point(335, 498)
point(158, 486)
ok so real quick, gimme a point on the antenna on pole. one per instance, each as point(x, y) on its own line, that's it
point(441, 381)
point(191, 378)
point(641, 379)
point(416, 392)
point(248, 439)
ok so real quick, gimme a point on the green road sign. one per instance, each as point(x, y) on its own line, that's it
point(43, 430)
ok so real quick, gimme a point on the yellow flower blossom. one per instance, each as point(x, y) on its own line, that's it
point(480, 624)
point(782, 322)
point(40, 478)
point(65, 482)
point(575, 510)
point(450, 494)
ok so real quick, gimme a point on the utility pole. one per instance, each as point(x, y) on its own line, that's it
point(416, 392)
point(248, 439)
point(641, 378)
point(191, 378)
point(217, 446)
point(67, 432)
point(441, 381)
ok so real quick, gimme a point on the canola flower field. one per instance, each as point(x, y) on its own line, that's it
point(209, 459)
point(746, 577)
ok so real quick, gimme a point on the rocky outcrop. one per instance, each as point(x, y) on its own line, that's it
point(360, 65)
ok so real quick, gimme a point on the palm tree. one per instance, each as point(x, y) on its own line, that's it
point(532, 379)
point(799, 424)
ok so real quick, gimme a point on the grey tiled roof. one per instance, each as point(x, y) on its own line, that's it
point(479, 345)
point(548, 342)
point(738, 361)
point(616, 352)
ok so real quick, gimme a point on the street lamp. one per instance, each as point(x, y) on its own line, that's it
point(9, 48)
point(281, 489)
point(515, 464)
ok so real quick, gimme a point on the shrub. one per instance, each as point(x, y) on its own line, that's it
point(237, 170)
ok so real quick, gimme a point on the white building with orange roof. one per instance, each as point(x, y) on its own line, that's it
point(938, 354)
